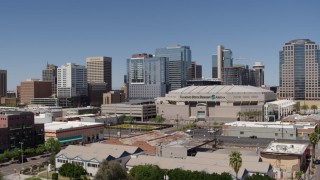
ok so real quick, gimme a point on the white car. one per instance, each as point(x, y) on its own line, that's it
point(211, 130)
point(188, 131)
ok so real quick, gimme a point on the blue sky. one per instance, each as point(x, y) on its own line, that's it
point(35, 32)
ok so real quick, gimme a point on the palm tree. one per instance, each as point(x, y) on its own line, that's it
point(313, 138)
point(314, 108)
point(305, 107)
point(235, 161)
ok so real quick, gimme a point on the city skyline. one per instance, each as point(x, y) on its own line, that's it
point(36, 32)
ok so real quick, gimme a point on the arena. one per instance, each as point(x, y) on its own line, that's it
point(219, 103)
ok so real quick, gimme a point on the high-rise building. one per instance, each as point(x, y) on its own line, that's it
point(72, 81)
point(147, 77)
point(299, 70)
point(178, 65)
point(236, 75)
point(50, 74)
point(99, 70)
point(258, 73)
point(195, 71)
point(3, 83)
point(34, 88)
point(222, 59)
point(99, 78)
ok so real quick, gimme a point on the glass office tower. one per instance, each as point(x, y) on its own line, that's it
point(178, 65)
point(299, 70)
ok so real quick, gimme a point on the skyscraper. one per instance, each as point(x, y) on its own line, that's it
point(236, 75)
point(3, 83)
point(50, 74)
point(147, 77)
point(222, 59)
point(178, 65)
point(100, 70)
point(195, 71)
point(72, 81)
point(299, 70)
point(99, 78)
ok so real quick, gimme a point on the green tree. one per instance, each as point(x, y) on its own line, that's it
point(314, 108)
point(1, 176)
point(305, 108)
point(147, 172)
point(29, 150)
point(110, 170)
point(313, 138)
point(15, 152)
point(7, 154)
point(296, 106)
point(235, 161)
point(72, 171)
point(158, 119)
point(2, 157)
point(128, 119)
point(52, 145)
point(298, 174)
point(40, 149)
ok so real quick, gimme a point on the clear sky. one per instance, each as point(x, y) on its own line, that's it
point(35, 32)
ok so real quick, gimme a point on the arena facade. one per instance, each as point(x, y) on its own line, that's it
point(219, 103)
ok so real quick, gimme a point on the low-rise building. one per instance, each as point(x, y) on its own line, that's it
point(90, 157)
point(18, 127)
point(74, 132)
point(275, 130)
point(286, 158)
point(141, 110)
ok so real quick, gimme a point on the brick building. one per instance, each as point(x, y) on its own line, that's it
point(19, 126)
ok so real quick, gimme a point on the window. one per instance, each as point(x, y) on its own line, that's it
point(276, 134)
point(241, 132)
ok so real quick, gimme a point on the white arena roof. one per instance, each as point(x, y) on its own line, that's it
point(277, 124)
point(219, 89)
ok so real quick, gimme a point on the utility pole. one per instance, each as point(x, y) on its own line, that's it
point(21, 144)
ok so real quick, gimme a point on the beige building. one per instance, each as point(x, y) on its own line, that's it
point(141, 110)
point(219, 102)
point(113, 97)
point(34, 88)
point(99, 70)
point(74, 132)
point(286, 158)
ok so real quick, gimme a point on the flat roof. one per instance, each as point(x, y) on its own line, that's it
point(277, 124)
point(286, 148)
point(53, 126)
point(220, 89)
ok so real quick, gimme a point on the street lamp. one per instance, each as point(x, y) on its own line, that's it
point(21, 144)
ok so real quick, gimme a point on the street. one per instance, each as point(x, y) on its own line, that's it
point(10, 169)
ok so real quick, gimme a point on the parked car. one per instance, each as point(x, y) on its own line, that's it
point(211, 130)
point(317, 161)
point(253, 137)
point(188, 131)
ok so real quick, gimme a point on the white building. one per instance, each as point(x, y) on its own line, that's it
point(90, 157)
point(275, 130)
point(72, 80)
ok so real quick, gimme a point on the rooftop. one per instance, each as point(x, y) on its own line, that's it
point(277, 124)
point(285, 148)
point(98, 152)
point(54, 126)
point(219, 89)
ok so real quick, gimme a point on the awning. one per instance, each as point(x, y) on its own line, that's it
point(69, 139)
